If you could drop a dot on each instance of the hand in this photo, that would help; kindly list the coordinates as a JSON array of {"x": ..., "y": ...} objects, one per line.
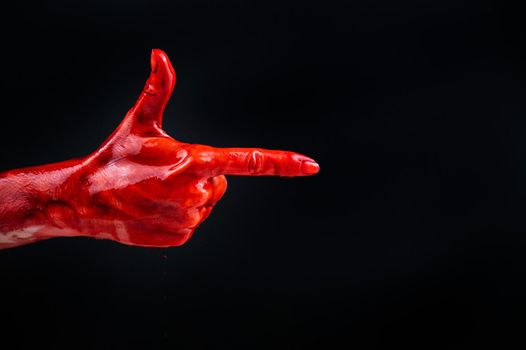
[{"x": 142, "y": 187}]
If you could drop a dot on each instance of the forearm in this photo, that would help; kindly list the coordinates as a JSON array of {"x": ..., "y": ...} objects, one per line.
[{"x": 34, "y": 205}]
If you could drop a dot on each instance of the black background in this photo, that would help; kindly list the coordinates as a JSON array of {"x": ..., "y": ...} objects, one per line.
[{"x": 412, "y": 234}]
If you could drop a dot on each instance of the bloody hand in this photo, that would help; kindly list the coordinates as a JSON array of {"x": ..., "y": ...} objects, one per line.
[{"x": 141, "y": 187}]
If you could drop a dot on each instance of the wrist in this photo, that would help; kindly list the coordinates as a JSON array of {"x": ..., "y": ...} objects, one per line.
[{"x": 35, "y": 202}]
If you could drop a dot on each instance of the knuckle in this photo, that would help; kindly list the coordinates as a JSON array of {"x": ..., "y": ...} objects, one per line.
[{"x": 255, "y": 162}]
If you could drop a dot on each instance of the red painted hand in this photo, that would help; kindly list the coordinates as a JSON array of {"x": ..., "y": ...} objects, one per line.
[{"x": 141, "y": 187}]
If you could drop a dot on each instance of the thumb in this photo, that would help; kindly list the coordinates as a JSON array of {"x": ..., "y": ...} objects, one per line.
[{"x": 147, "y": 113}]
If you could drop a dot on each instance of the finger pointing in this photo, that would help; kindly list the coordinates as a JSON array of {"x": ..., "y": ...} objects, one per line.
[{"x": 251, "y": 162}]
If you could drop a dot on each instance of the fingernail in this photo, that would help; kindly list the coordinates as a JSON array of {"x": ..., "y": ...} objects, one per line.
[
  {"x": 153, "y": 61},
  {"x": 310, "y": 167}
]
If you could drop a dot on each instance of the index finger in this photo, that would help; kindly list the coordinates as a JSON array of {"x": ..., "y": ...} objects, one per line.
[{"x": 214, "y": 161}]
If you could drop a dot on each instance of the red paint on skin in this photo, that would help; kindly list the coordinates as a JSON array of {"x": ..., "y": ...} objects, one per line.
[{"x": 141, "y": 187}]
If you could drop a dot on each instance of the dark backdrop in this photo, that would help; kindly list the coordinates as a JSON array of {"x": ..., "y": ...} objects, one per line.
[{"x": 413, "y": 233}]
